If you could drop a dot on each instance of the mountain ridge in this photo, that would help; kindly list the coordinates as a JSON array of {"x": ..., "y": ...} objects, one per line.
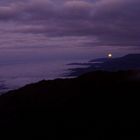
[
  {"x": 127, "y": 62},
  {"x": 75, "y": 107}
]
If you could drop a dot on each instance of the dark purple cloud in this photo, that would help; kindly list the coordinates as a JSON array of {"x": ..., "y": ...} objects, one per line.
[{"x": 103, "y": 22}]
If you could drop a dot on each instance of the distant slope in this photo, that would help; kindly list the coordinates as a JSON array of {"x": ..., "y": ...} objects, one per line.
[
  {"x": 128, "y": 62},
  {"x": 95, "y": 105}
]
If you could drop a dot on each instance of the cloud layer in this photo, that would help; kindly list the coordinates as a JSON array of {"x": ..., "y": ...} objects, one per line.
[{"x": 101, "y": 22}]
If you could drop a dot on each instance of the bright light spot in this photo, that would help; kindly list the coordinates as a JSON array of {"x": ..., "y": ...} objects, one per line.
[{"x": 109, "y": 55}]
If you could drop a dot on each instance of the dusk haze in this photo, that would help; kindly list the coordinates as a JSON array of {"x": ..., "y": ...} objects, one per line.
[
  {"x": 54, "y": 52},
  {"x": 38, "y": 38}
]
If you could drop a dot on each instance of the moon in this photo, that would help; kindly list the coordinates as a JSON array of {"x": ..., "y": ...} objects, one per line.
[{"x": 110, "y": 55}]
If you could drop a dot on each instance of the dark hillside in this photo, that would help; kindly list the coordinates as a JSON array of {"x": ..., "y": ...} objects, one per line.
[{"x": 96, "y": 105}]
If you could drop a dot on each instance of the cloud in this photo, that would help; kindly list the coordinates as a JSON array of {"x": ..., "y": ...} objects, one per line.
[{"x": 109, "y": 22}]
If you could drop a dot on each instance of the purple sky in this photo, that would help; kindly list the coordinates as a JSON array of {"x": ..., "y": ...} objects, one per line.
[
  {"x": 35, "y": 23},
  {"x": 39, "y": 37}
]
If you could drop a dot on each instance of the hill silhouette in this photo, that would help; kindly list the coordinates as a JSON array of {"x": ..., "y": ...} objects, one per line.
[
  {"x": 128, "y": 62},
  {"x": 96, "y": 105}
]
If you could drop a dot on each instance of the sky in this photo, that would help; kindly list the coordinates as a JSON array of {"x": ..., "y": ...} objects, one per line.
[
  {"x": 87, "y": 23},
  {"x": 38, "y": 38}
]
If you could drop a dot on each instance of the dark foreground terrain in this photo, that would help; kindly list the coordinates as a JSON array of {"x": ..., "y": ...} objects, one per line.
[{"x": 97, "y": 105}]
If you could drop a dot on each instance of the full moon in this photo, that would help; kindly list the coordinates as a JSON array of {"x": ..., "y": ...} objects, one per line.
[{"x": 109, "y": 55}]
